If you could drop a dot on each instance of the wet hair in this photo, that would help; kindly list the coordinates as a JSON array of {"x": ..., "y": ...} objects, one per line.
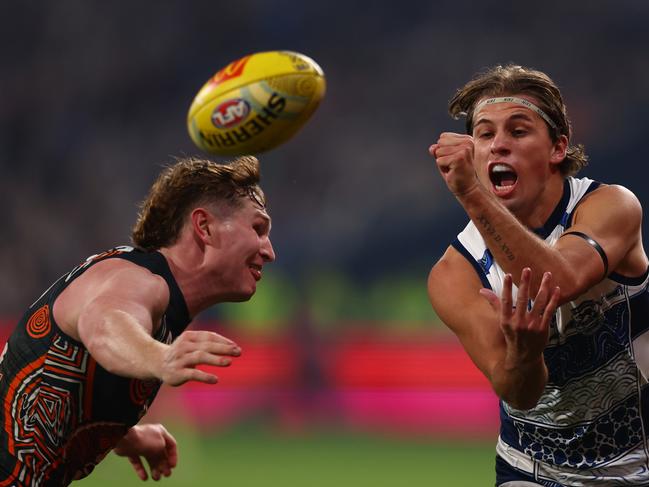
[
  {"x": 187, "y": 184},
  {"x": 513, "y": 80}
]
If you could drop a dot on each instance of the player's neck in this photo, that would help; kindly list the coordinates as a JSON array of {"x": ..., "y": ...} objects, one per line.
[
  {"x": 185, "y": 263},
  {"x": 537, "y": 214}
]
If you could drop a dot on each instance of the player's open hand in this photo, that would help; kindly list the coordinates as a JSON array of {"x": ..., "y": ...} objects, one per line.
[
  {"x": 155, "y": 444},
  {"x": 193, "y": 348},
  {"x": 454, "y": 156},
  {"x": 525, "y": 330}
]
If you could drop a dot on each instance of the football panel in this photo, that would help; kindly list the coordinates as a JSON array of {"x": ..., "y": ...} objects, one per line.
[
  {"x": 256, "y": 117},
  {"x": 252, "y": 68}
]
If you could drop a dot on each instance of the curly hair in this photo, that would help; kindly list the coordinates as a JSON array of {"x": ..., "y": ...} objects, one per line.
[
  {"x": 512, "y": 80},
  {"x": 186, "y": 184}
]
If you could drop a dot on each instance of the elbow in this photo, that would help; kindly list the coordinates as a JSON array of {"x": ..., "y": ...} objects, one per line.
[
  {"x": 99, "y": 346},
  {"x": 524, "y": 390},
  {"x": 570, "y": 294},
  {"x": 93, "y": 342},
  {"x": 522, "y": 404},
  {"x": 573, "y": 285},
  {"x": 522, "y": 400},
  {"x": 569, "y": 289}
]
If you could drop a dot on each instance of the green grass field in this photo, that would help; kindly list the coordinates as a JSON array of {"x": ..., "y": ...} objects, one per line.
[{"x": 256, "y": 457}]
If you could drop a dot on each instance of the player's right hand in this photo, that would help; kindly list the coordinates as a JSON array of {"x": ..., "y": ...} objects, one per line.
[
  {"x": 453, "y": 154},
  {"x": 193, "y": 348}
]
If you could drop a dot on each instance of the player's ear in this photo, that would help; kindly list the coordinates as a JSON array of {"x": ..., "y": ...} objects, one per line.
[
  {"x": 559, "y": 150},
  {"x": 200, "y": 219}
]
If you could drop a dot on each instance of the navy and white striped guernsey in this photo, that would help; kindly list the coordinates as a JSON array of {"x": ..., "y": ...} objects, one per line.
[{"x": 589, "y": 427}]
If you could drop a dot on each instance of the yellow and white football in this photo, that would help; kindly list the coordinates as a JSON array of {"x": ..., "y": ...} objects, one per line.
[{"x": 255, "y": 103}]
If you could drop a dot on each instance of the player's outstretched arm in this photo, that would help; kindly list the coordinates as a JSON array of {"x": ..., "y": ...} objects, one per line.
[
  {"x": 119, "y": 308},
  {"x": 153, "y": 443},
  {"x": 505, "y": 342},
  {"x": 610, "y": 215}
]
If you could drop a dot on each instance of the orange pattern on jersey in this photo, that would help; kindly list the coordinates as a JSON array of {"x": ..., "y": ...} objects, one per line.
[
  {"x": 94, "y": 258},
  {"x": 39, "y": 325},
  {"x": 141, "y": 390},
  {"x": 108, "y": 253},
  {"x": 89, "y": 391},
  {"x": 11, "y": 480},
  {"x": 11, "y": 392}
]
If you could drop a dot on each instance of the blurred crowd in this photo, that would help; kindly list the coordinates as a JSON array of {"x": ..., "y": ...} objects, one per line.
[{"x": 94, "y": 96}]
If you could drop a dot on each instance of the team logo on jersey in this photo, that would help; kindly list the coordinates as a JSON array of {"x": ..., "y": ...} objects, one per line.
[{"x": 587, "y": 317}]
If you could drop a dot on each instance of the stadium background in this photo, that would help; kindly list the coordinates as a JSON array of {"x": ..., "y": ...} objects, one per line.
[{"x": 347, "y": 377}]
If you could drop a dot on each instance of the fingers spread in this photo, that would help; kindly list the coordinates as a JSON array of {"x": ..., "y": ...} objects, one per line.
[
  {"x": 200, "y": 357},
  {"x": 541, "y": 300},
  {"x": 506, "y": 297},
  {"x": 171, "y": 450},
  {"x": 138, "y": 467},
  {"x": 551, "y": 307},
  {"x": 200, "y": 376},
  {"x": 523, "y": 293},
  {"x": 205, "y": 336},
  {"x": 207, "y": 341}
]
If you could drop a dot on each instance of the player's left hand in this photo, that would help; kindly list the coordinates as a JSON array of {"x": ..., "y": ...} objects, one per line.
[
  {"x": 525, "y": 330},
  {"x": 454, "y": 157},
  {"x": 155, "y": 444}
]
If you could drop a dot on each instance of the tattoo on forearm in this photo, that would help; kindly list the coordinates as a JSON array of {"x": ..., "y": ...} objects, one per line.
[{"x": 491, "y": 231}]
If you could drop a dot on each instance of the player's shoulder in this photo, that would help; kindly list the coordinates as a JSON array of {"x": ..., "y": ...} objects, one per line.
[
  {"x": 125, "y": 277},
  {"x": 605, "y": 190},
  {"x": 613, "y": 197},
  {"x": 452, "y": 272}
]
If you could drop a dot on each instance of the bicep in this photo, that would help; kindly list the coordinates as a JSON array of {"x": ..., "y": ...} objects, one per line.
[
  {"x": 100, "y": 314},
  {"x": 611, "y": 216},
  {"x": 130, "y": 296},
  {"x": 453, "y": 289}
]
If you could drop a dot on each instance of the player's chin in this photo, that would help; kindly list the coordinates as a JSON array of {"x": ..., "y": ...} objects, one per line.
[{"x": 243, "y": 294}]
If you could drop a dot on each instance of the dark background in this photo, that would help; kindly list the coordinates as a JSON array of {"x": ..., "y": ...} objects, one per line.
[{"x": 94, "y": 96}]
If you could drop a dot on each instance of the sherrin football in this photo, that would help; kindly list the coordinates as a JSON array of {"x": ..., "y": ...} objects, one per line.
[{"x": 255, "y": 103}]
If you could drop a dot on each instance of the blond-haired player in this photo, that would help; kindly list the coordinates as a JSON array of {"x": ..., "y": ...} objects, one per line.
[
  {"x": 546, "y": 287},
  {"x": 89, "y": 355}
]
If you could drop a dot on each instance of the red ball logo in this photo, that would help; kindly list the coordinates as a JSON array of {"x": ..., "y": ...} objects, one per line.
[{"x": 230, "y": 113}]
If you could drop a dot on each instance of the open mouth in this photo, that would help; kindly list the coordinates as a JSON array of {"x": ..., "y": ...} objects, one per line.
[
  {"x": 256, "y": 271},
  {"x": 502, "y": 176}
]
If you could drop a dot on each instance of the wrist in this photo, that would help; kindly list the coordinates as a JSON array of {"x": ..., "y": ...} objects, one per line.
[
  {"x": 523, "y": 364},
  {"x": 155, "y": 359},
  {"x": 473, "y": 194},
  {"x": 521, "y": 385}
]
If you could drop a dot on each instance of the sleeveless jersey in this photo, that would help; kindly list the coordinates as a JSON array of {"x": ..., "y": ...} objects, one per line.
[
  {"x": 62, "y": 411},
  {"x": 589, "y": 426}
]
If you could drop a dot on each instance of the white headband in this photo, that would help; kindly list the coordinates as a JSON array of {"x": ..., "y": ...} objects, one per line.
[{"x": 519, "y": 101}]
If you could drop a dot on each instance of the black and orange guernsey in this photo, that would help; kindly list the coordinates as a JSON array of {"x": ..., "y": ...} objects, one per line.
[{"x": 62, "y": 412}]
